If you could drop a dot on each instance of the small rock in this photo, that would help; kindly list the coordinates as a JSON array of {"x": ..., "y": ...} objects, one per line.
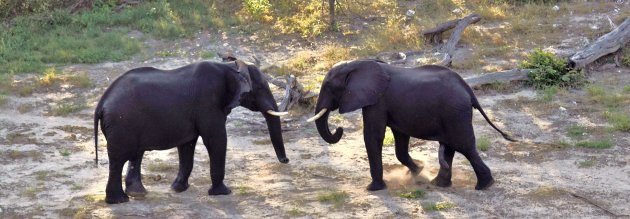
[
  {"x": 563, "y": 109},
  {"x": 555, "y": 8},
  {"x": 410, "y": 12},
  {"x": 457, "y": 11}
]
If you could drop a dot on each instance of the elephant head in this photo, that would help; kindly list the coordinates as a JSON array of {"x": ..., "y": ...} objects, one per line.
[
  {"x": 255, "y": 95},
  {"x": 348, "y": 86}
]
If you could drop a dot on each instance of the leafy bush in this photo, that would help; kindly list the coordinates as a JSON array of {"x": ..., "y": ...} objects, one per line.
[{"x": 550, "y": 70}]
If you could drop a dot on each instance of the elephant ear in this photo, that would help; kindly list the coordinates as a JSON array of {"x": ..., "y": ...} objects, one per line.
[
  {"x": 239, "y": 82},
  {"x": 365, "y": 84}
]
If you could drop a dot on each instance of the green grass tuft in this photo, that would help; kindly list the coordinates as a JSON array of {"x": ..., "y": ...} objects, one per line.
[
  {"x": 483, "y": 143},
  {"x": 415, "y": 194},
  {"x": 595, "y": 144},
  {"x": 65, "y": 109},
  {"x": 576, "y": 131},
  {"x": 619, "y": 121},
  {"x": 586, "y": 164},
  {"x": 437, "y": 206},
  {"x": 336, "y": 197},
  {"x": 295, "y": 212}
]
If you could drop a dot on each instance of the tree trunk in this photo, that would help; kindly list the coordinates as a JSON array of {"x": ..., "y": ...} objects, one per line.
[
  {"x": 331, "y": 11},
  {"x": 604, "y": 45}
]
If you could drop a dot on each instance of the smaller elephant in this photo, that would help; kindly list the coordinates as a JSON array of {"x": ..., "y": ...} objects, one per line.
[
  {"x": 151, "y": 109},
  {"x": 428, "y": 102}
]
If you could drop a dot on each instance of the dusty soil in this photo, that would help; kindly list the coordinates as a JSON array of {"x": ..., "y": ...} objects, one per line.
[{"x": 47, "y": 162}]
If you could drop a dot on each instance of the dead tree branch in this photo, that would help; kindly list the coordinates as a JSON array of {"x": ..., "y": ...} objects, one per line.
[
  {"x": 434, "y": 35},
  {"x": 456, "y": 35},
  {"x": 604, "y": 45}
]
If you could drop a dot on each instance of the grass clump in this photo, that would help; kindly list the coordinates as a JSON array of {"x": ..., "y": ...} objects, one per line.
[
  {"x": 335, "y": 197},
  {"x": 65, "y": 109},
  {"x": 243, "y": 190},
  {"x": 595, "y": 144},
  {"x": 576, "y": 131},
  {"x": 550, "y": 70},
  {"x": 295, "y": 212},
  {"x": 548, "y": 93},
  {"x": 31, "y": 192},
  {"x": 438, "y": 206},
  {"x": 619, "y": 121},
  {"x": 4, "y": 99},
  {"x": 415, "y": 194},
  {"x": 483, "y": 143},
  {"x": 389, "y": 137},
  {"x": 586, "y": 163}
]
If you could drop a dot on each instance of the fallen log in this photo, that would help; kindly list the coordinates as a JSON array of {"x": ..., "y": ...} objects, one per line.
[
  {"x": 455, "y": 36},
  {"x": 604, "y": 45},
  {"x": 502, "y": 76}
]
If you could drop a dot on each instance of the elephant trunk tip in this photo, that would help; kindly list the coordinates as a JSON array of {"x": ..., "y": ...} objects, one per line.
[
  {"x": 283, "y": 160},
  {"x": 336, "y": 136}
]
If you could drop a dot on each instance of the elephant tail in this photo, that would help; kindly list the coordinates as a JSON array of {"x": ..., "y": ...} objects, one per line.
[
  {"x": 98, "y": 114},
  {"x": 443, "y": 162},
  {"x": 478, "y": 107}
]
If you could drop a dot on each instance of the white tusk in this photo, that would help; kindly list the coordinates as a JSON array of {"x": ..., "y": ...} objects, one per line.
[
  {"x": 320, "y": 114},
  {"x": 274, "y": 113}
]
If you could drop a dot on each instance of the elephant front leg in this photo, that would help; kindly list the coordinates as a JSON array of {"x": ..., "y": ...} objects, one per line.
[
  {"x": 402, "y": 151},
  {"x": 216, "y": 146},
  {"x": 443, "y": 179},
  {"x": 113, "y": 192},
  {"x": 133, "y": 181},
  {"x": 373, "y": 134},
  {"x": 186, "y": 158}
]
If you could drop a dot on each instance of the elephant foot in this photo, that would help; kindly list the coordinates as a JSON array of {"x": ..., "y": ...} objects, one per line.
[
  {"x": 376, "y": 185},
  {"x": 179, "y": 186},
  {"x": 136, "y": 190},
  {"x": 437, "y": 181},
  {"x": 220, "y": 189},
  {"x": 484, "y": 184},
  {"x": 116, "y": 199}
]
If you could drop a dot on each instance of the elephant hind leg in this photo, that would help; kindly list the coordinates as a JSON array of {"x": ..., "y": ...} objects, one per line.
[
  {"x": 113, "y": 192},
  {"x": 133, "y": 181},
  {"x": 402, "y": 151},
  {"x": 443, "y": 179},
  {"x": 484, "y": 176},
  {"x": 186, "y": 154}
]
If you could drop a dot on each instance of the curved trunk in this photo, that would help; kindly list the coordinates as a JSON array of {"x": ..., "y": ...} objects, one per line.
[
  {"x": 324, "y": 131},
  {"x": 275, "y": 133}
]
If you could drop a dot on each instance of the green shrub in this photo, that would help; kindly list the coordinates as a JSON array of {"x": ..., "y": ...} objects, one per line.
[{"x": 550, "y": 70}]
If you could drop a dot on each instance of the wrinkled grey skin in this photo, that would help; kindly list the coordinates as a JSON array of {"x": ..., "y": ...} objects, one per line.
[
  {"x": 152, "y": 109},
  {"x": 429, "y": 102}
]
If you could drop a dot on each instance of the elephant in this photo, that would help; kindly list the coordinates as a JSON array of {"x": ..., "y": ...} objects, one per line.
[
  {"x": 429, "y": 102},
  {"x": 151, "y": 109}
]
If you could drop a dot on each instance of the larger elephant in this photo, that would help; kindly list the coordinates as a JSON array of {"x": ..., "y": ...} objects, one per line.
[
  {"x": 151, "y": 109},
  {"x": 429, "y": 102}
]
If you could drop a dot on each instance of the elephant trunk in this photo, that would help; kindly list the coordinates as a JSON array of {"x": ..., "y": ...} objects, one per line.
[
  {"x": 275, "y": 133},
  {"x": 324, "y": 131}
]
